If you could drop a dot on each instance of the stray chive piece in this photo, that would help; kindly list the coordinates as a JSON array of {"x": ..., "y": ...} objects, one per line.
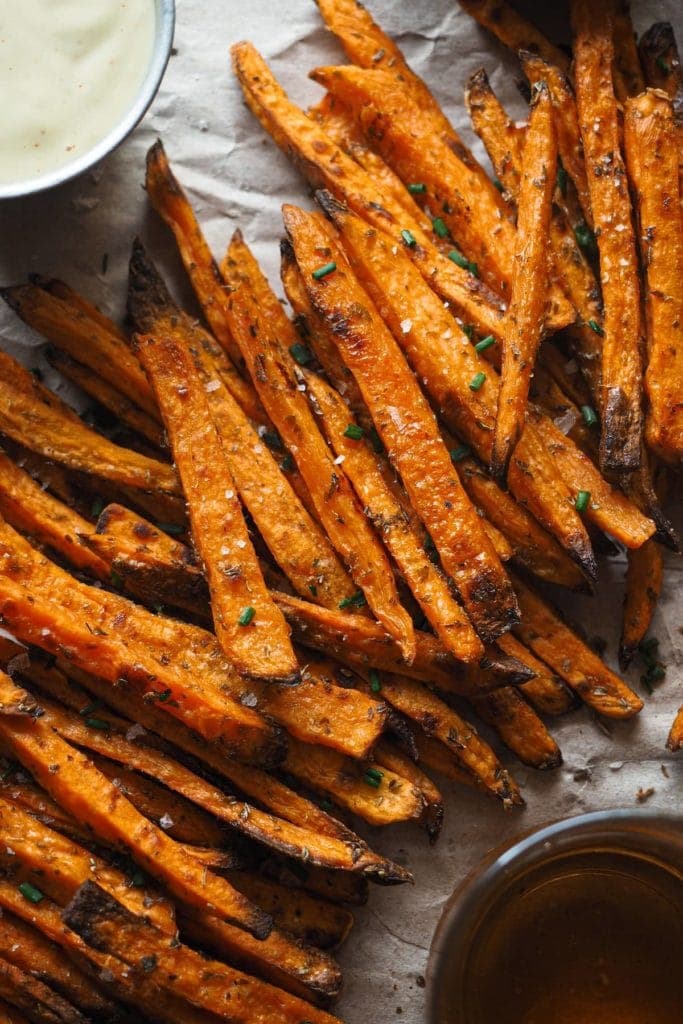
[
  {"x": 562, "y": 180},
  {"x": 356, "y": 600},
  {"x": 97, "y": 508},
  {"x": 586, "y": 240},
  {"x": 116, "y": 580},
  {"x": 373, "y": 777},
  {"x": 327, "y": 268},
  {"x": 173, "y": 528},
  {"x": 137, "y": 880},
  {"x": 655, "y": 673},
  {"x": 376, "y": 441},
  {"x": 287, "y": 464},
  {"x": 477, "y": 381},
  {"x": 375, "y": 684},
  {"x": 582, "y": 500},
  {"x": 462, "y": 261},
  {"x": 417, "y": 188},
  {"x": 246, "y": 615},
  {"x": 459, "y": 453},
  {"x": 468, "y": 329},
  {"x": 499, "y": 185},
  {"x": 97, "y": 723},
  {"x": 313, "y": 589},
  {"x": 485, "y": 343},
  {"x": 409, "y": 238},
  {"x": 89, "y": 708},
  {"x": 326, "y": 805},
  {"x": 300, "y": 353},
  {"x": 595, "y": 326},
  {"x": 440, "y": 227},
  {"x": 649, "y": 645},
  {"x": 589, "y": 414},
  {"x": 30, "y": 893},
  {"x": 663, "y": 66},
  {"x": 354, "y": 432}
]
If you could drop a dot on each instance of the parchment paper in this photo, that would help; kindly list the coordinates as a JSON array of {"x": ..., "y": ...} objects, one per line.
[{"x": 236, "y": 176}]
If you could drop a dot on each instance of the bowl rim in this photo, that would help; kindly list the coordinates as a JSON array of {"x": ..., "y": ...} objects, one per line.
[{"x": 164, "y": 12}]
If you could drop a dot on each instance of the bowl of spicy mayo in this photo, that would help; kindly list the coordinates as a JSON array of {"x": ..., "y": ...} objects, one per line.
[
  {"x": 580, "y": 922},
  {"x": 76, "y": 76}
]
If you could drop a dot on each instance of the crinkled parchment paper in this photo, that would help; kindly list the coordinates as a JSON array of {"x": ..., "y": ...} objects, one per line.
[{"x": 235, "y": 176}]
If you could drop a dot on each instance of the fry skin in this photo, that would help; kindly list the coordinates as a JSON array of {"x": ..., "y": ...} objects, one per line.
[
  {"x": 388, "y": 755},
  {"x": 621, "y": 368},
  {"x": 410, "y": 435},
  {"x": 644, "y": 573},
  {"x": 546, "y": 692},
  {"x": 519, "y": 727},
  {"x": 524, "y": 321},
  {"x": 26, "y": 992},
  {"x": 652, "y": 156}
]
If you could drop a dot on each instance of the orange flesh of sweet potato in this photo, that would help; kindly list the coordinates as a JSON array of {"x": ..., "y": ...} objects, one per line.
[
  {"x": 259, "y": 647},
  {"x": 651, "y": 146},
  {"x": 621, "y": 359},
  {"x": 519, "y": 727},
  {"x": 675, "y": 740},
  {"x": 643, "y": 587},
  {"x": 524, "y": 320},
  {"x": 545, "y": 692},
  {"x": 388, "y": 755}
]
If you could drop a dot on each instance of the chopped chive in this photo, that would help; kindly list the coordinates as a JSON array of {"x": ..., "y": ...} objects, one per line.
[
  {"x": 477, "y": 381},
  {"x": 375, "y": 684},
  {"x": 586, "y": 240},
  {"x": 30, "y": 893},
  {"x": 459, "y": 453},
  {"x": 376, "y": 441},
  {"x": 96, "y": 508},
  {"x": 356, "y": 600},
  {"x": 655, "y": 673},
  {"x": 485, "y": 343},
  {"x": 473, "y": 269},
  {"x": 313, "y": 589},
  {"x": 137, "y": 880},
  {"x": 457, "y": 257},
  {"x": 373, "y": 777},
  {"x": 589, "y": 414},
  {"x": 300, "y": 353},
  {"x": 326, "y": 805},
  {"x": 417, "y": 188},
  {"x": 354, "y": 432},
  {"x": 173, "y": 528},
  {"x": 595, "y": 326},
  {"x": 649, "y": 645},
  {"x": 116, "y": 580},
  {"x": 499, "y": 185},
  {"x": 160, "y": 695},
  {"x": 89, "y": 708},
  {"x": 409, "y": 238},
  {"x": 246, "y": 615},
  {"x": 320, "y": 272},
  {"x": 582, "y": 500},
  {"x": 468, "y": 329},
  {"x": 663, "y": 66},
  {"x": 440, "y": 228},
  {"x": 97, "y": 723},
  {"x": 562, "y": 180},
  {"x": 646, "y": 684},
  {"x": 287, "y": 464},
  {"x": 272, "y": 439}
]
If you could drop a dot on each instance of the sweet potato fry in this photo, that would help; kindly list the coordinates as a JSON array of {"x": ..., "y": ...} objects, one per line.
[
  {"x": 675, "y": 740},
  {"x": 46, "y": 426},
  {"x": 621, "y": 368},
  {"x": 643, "y": 587},
  {"x": 448, "y": 365},
  {"x": 95, "y": 342},
  {"x": 209, "y": 985},
  {"x": 108, "y": 634},
  {"x": 559, "y": 647},
  {"x": 513, "y": 30},
  {"x": 411, "y": 437},
  {"x": 627, "y": 72},
  {"x": 661, "y": 63},
  {"x": 651, "y": 150},
  {"x": 393, "y": 519},
  {"x": 519, "y": 727},
  {"x": 387, "y": 755},
  {"x": 84, "y": 791},
  {"x": 524, "y": 320},
  {"x": 41, "y": 1003},
  {"x": 273, "y": 372},
  {"x": 260, "y": 646},
  {"x": 108, "y": 396},
  {"x": 545, "y": 692},
  {"x": 29, "y": 508}
]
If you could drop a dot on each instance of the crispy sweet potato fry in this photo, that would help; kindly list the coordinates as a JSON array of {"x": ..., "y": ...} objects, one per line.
[
  {"x": 273, "y": 373},
  {"x": 628, "y": 74},
  {"x": 513, "y": 30},
  {"x": 524, "y": 320},
  {"x": 643, "y": 587},
  {"x": 47, "y": 426},
  {"x": 387, "y": 755},
  {"x": 407, "y": 427},
  {"x": 651, "y": 149},
  {"x": 41, "y": 1003},
  {"x": 88, "y": 794},
  {"x": 393, "y": 519},
  {"x": 519, "y": 727},
  {"x": 621, "y": 368},
  {"x": 545, "y": 692},
  {"x": 559, "y": 647},
  {"x": 260, "y": 646},
  {"x": 210, "y": 985},
  {"x": 95, "y": 342},
  {"x": 118, "y": 639},
  {"x": 675, "y": 740},
  {"x": 448, "y": 365}
]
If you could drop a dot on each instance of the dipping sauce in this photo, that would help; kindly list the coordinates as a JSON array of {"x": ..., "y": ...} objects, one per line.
[
  {"x": 69, "y": 71},
  {"x": 595, "y": 940}
]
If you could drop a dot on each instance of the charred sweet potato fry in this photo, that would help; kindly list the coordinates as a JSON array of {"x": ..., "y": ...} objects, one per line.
[
  {"x": 410, "y": 436},
  {"x": 88, "y": 794},
  {"x": 449, "y": 365},
  {"x": 528, "y": 302},
  {"x": 545, "y": 692},
  {"x": 46, "y": 426},
  {"x": 393, "y": 519},
  {"x": 519, "y": 727},
  {"x": 627, "y": 71},
  {"x": 621, "y": 368},
  {"x": 514, "y": 31},
  {"x": 250, "y": 628},
  {"x": 209, "y": 985},
  {"x": 387, "y": 755},
  {"x": 273, "y": 371},
  {"x": 559, "y": 647},
  {"x": 43, "y": 1005},
  {"x": 652, "y": 156},
  {"x": 661, "y": 63},
  {"x": 643, "y": 586}
]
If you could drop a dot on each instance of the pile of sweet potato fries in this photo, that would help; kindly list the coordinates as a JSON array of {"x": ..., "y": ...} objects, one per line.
[{"x": 262, "y": 588}]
